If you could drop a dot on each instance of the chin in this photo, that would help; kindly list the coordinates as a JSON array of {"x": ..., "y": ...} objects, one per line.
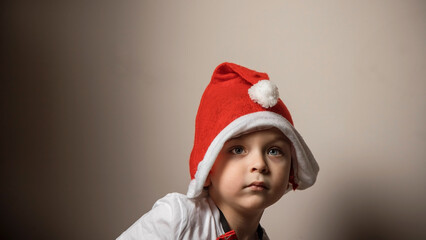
[{"x": 256, "y": 203}]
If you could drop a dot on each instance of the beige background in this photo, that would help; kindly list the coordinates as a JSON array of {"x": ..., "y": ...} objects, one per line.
[{"x": 99, "y": 101}]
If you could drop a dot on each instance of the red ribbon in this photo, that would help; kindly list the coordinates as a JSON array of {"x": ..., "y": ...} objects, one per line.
[{"x": 231, "y": 235}]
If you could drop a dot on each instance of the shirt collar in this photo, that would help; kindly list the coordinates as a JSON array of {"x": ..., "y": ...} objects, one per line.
[{"x": 226, "y": 227}]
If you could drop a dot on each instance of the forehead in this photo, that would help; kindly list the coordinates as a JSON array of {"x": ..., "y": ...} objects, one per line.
[{"x": 271, "y": 133}]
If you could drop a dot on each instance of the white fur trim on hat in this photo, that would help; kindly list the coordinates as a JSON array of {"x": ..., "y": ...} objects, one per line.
[
  {"x": 307, "y": 167},
  {"x": 265, "y": 93}
]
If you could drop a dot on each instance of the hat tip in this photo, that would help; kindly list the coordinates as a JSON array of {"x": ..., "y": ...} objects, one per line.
[{"x": 264, "y": 93}]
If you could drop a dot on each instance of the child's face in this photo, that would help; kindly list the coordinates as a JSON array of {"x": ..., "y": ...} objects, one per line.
[{"x": 252, "y": 171}]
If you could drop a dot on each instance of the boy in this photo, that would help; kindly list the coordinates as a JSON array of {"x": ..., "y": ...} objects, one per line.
[{"x": 246, "y": 156}]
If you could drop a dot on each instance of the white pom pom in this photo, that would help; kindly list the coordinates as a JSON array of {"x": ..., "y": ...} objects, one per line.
[{"x": 264, "y": 93}]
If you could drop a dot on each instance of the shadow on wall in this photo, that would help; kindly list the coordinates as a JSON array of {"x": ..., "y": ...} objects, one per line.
[{"x": 375, "y": 211}]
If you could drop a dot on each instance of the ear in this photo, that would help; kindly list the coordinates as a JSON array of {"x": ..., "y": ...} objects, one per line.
[{"x": 208, "y": 181}]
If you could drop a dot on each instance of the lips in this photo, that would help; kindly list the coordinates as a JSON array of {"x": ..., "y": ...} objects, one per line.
[{"x": 257, "y": 185}]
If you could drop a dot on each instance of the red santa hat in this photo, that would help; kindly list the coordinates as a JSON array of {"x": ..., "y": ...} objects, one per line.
[{"x": 236, "y": 101}]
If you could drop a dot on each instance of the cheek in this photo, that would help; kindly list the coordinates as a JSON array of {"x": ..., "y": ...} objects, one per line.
[
  {"x": 228, "y": 178},
  {"x": 282, "y": 174},
  {"x": 281, "y": 180}
]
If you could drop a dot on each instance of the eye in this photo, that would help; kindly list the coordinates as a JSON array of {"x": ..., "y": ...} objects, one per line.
[
  {"x": 275, "y": 152},
  {"x": 237, "y": 150}
]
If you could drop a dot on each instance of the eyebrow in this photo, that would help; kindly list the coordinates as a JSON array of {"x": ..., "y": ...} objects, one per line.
[{"x": 281, "y": 138}]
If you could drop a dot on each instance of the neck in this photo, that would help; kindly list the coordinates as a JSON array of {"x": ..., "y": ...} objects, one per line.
[{"x": 243, "y": 223}]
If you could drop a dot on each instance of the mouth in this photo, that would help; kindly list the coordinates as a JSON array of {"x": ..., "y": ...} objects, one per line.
[{"x": 258, "y": 186}]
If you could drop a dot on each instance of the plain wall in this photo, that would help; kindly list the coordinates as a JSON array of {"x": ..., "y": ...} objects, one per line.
[{"x": 99, "y": 101}]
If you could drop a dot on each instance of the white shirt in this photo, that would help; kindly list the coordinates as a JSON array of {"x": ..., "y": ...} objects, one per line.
[{"x": 176, "y": 216}]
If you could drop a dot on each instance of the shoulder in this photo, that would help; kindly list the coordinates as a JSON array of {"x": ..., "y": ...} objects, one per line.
[
  {"x": 173, "y": 216},
  {"x": 174, "y": 199},
  {"x": 180, "y": 206},
  {"x": 162, "y": 221}
]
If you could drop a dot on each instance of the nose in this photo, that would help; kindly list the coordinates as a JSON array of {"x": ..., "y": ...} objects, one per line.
[{"x": 258, "y": 163}]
